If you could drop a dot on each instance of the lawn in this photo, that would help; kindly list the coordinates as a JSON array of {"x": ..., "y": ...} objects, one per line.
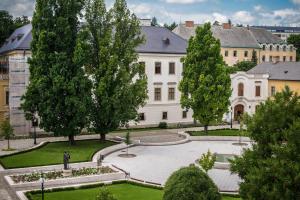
[
  {"x": 124, "y": 191},
  {"x": 222, "y": 132},
  {"x": 52, "y": 153}
]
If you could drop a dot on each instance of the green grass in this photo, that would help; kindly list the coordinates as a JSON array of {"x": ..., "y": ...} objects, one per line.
[
  {"x": 52, "y": 153},
  {"x": 224, "y": 197},
  {"x": 222, "y": 132},
  {"x": 124, "y": 191}
]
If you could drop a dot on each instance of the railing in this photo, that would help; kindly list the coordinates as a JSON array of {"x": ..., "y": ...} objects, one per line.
[{"x": 4, "y": 76}]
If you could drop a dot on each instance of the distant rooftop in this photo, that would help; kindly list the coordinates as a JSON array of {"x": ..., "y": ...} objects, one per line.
[
  {"x": 158, "y": 40},
  {"x": 280, "y": 29},
  {"x": 278, "y": 71},
  {"x": 19, "y": 40}
]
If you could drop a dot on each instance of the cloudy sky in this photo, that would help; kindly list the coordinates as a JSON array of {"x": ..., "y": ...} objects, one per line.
[{"x": 252, "y": 12}]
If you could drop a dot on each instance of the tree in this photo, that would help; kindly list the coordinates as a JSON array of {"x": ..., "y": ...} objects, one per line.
[
  {"x": 171, "y": 27},
  {"x": 7, "y": 131},
  {"x": 21, "y": 21},
  {"x": 190, "y": 183},
  {"x": 207, "y": 161},
  {"x": 127, "y": 140},
  {"x": 295, "y": 40},
  {"x": 244, "y": 65},
  {"x": 154, "y": 22},
  {"x": 119, "y": 82},
  {"x": 6, "y": 26},
  {"x": 270, "y": 170},
  {"x": 105, "y": 194},
  {"x": 205, "y": 86},
  {"x": 58, "y": 91}
]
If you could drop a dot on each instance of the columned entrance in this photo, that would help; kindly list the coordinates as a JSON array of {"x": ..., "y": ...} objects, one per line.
[{"x": 238, "y": 111}]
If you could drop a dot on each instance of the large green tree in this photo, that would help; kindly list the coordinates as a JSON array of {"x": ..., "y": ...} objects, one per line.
[
  {"x": 205, "y": 85},
  {"x": 295, "y": 40},
  {"x": 6, "y": 26},
  {"x": 271, "y": 169},
  {"x": 58, "y": 91},
  {"x": 107, "y": 48}
]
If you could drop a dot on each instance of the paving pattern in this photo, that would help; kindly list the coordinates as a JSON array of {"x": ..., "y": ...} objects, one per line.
[{"x": 157, "y": 163}]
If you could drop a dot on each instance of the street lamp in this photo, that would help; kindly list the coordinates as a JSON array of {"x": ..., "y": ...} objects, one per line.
[
  {"x": 42, "y": 184},
  {"x": 231, "y": 117}
]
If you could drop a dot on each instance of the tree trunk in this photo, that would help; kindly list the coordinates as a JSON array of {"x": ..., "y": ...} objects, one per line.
[
  {"x": 102, "y": 137},
  {"x": 206, "y": 129},
  {"x": 71, "y": 140},
  {"x": 8, "y": 145}
]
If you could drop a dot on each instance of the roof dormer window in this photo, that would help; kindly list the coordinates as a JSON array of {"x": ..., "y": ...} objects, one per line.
[
  {"x": 166, "y": 41},
  {"x": 20, "y": 36}
]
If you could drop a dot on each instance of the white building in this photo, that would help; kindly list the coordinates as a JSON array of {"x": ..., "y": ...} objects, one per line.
[{"x": 248, "y": 91}]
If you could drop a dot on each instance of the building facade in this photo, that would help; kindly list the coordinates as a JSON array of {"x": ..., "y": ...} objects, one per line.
[
  {"x": 4, "y": 89},
  {"x": 250, "y": 89},
  {"x": 239, "y": 43}
]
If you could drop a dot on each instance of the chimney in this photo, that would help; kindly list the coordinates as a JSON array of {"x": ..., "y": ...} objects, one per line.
[
  {"x": 226, "y": 25},
  {"x": 189, "y": 24}
]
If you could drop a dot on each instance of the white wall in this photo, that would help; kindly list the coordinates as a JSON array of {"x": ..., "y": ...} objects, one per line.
[{"x": 153, "y": 109}]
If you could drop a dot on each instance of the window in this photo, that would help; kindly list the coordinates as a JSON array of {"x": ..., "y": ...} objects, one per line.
[
  {"x": 257, "y": 91},
  {"x": 142, "y": 116},
  {"x": 165, "y": 115},
  {"x": 263, "y": 58},
  {"x": 284, "y": 48},
  {"x": 291, "y": 48},
  {"x": 6, "y": 97},
  {"x": 158, "y": 68},
  {"x": 270, "y": 58},
  {"x": 246, "y": 54},
  {"x": 157, "y": 94},
  {"x": 171, "y": 94},
  {"x": 184, "y": 114},
  {"x": 241, "y": 90},
  {"x": 234, "y": 53},
  {"x": 226, "y": 53},
  {"x": 271, "y": 48},
  {"x": 273, "y": 90},
  {"x": 284, "y": 58},
  {"x": 143, "y": 65},
  {"x": 291, "y": 58},
  {"x": 171, "y": 68},
  {"x": 277, "y": 48},
  {"x": 264, "y": 47}
]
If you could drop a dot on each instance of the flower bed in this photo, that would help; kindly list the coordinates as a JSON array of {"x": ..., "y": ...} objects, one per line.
[{"x": 33, "y": 177}]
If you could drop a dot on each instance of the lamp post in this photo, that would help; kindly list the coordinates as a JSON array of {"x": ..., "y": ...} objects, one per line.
[
  {"x": 231, "y": 117},
  {"x": 42, "y": 184}
]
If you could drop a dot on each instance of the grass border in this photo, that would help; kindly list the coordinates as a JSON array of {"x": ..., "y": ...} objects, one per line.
[
  {"x": 45, "y": 144},
  {"x": 223, "y": 129},
  {"x": 91, "y": 186}
]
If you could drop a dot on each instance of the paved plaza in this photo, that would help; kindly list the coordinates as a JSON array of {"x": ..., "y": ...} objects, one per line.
[{"x": 157, "y": 163}]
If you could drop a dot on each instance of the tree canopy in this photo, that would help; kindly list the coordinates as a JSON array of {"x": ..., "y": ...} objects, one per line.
[
  {"x": 271, "y": 169},
  {"x": 295, "y": 40},
  {"x": 58, "y": 91},
  {"x": 119, "y": 81},
  {"x": 205, "y": 86}
]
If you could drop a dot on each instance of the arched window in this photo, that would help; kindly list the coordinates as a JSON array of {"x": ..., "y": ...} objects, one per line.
[
  {"x": 277, "y": 47},
  {"x": 284, "y": 48},
  {"x": 241, "y": 90},
  {"x": 263, "y": 58},
  {"x": 271, "y": 47}
]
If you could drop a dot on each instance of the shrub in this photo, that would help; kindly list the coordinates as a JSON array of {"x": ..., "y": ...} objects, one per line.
[
  {"x": 105, "y": 194},
  {"x": 207, "y": 161},
  {"x": 163, "y": 125},
  {"x": 190, "y": 183}
]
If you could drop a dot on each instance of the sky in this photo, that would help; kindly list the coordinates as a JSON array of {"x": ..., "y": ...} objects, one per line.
[{"x": 247, "y": 12}]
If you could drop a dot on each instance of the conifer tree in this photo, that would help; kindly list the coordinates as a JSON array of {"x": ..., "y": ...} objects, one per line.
[
  {"x": 58, "y": 89},
  {"x": 205, "y": 86}
]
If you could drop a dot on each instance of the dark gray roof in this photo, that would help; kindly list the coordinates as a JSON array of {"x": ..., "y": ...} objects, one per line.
[
  {"x": 263, "y": 36},
  {"x": 278, "y": 71},
  {"x": 280, "y": 29},
  {"x": 237, "y": 37},
  {"x": 19, "y": 40},
  {"x": 156, "y": 41}
]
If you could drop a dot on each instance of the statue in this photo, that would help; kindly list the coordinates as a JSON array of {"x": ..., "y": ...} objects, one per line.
[{"x": 66, "y": 160}]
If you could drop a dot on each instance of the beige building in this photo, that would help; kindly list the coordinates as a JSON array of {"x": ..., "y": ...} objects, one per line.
[
  {"x": 4, "y": 90},
  {"x": 239, "y": 43}
]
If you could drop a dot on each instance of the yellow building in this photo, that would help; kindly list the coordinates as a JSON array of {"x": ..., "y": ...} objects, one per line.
[
  {"x": 239, "y": 43},
  {"x": 4, "y": 89}
]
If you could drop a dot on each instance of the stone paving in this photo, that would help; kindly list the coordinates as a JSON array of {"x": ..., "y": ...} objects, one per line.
[{"x": 157, "y": 163}]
